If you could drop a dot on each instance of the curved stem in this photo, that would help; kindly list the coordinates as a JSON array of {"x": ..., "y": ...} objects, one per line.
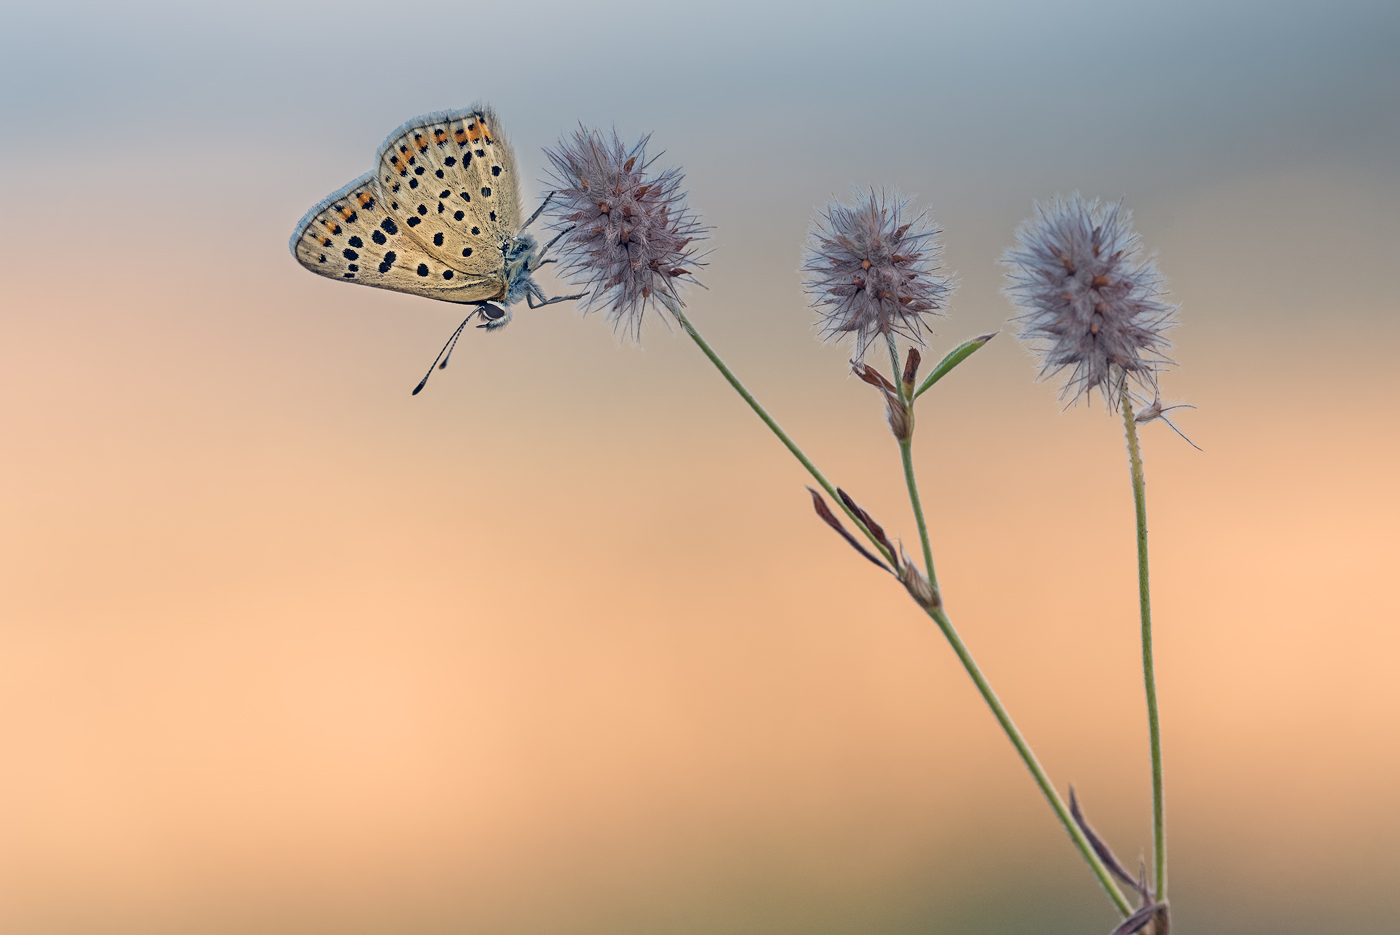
[
  {"x": 777, "y": 429},
  {"x": 1149, "y": 677}
]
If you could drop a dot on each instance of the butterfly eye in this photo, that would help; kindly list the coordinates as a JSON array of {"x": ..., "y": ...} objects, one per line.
[{"x": 493, "y": 312}]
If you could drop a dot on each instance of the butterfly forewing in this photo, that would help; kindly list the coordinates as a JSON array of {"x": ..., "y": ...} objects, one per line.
[{"x": 449, "y": 179}]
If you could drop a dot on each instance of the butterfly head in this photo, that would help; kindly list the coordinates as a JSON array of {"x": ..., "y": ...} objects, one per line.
[{"x": 519, "y": 256}]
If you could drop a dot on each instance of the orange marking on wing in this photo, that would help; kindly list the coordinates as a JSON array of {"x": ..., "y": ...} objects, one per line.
[
  {"x": 460, "y": 136},
  {"x": 475, "y": 130},
  {"x": 421, "y": 143},
  {"x": 399, "y": 165},
  {"x": 365, "y": 198},
  {"x": 332, "y": 226},
  {"x": 440, "y": 136}
]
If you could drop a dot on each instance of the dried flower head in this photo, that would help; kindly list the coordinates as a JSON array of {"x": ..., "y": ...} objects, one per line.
[
  {"x": 625, "y": 235},
  {"x": 1090, "y": 300},
  {"x": 872, "y": 269}
]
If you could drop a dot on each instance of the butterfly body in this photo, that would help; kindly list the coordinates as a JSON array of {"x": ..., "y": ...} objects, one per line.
[{"x": 440, "y": 217}]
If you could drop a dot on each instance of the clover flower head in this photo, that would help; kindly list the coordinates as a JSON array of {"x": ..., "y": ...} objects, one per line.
[
  {"x": 872, "y": 270},
  {"x": 625, "y": 231},
  {"x": 1090, "y": 300}
]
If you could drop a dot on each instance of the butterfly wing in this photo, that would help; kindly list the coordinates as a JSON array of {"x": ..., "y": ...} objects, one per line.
[
  {"x": 450, "y": 179},
  {"x": 350, "y": 237}
]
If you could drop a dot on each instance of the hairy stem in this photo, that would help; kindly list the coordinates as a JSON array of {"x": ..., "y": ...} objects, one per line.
[
  {"x": 777, "y": 429},
  {"x": 1149, "y": 677}
]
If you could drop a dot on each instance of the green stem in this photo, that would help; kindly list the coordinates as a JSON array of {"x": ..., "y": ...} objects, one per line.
[
  {"x": 936, "y": 613},
  {"x": 1032, "y": 764},
  {"x": 769, "y": 421},
  {"x": 988, "y": 695},
  {"x": 906, "y": 452},
  {"x": 1149, "y": 677}
]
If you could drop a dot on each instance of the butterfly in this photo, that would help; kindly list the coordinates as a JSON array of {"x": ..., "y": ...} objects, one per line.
[{"x": 438, "y": 217}]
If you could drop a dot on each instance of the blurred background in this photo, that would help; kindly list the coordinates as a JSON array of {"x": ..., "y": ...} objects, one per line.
[{"x": 558, "y": 646}]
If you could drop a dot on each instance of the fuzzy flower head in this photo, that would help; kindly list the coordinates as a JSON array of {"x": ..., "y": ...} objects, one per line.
[
  {"x": 626, "y": 233},
  {"x": 872, "y": 270},
  {"x": 1090, "y": 301}
]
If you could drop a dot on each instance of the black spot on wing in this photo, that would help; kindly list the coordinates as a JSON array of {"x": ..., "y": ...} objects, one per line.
[
  {"x": 458, "y": 216},
  {"x": 495, "y": 170},
  {"x": 422, "y": 269},
  {"x": 389, "y": 226},
  {"x": 350, "y": 254},
  {"x": 485, "y": 192},
  {"x": 414, "y": 222},
  {"x": 378, "y": 237},
  {"x": 356, "y": 242},
  {"x": 447, "y": 274},
  {"x": 437, "y": 239},
  {"x": 466, "y": 252}
]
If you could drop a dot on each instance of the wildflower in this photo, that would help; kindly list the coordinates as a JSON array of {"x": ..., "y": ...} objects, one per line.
[
  {"x": 1090, "y": 300},
  {"x": 871, "y": 270},
  {"x": 625, "y": 234}
]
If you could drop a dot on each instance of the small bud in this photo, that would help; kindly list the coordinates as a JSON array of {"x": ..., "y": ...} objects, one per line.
[
  {"x": 911, "y": 370},
  {"x": 917, "y": 585},
  {"x": 901, "y": 419}
]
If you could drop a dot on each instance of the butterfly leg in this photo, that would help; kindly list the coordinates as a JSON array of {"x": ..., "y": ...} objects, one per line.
[
  {"x": 530, "y": 299},
  {"x": 538, "y": 211},
  {"x": 539, "y": 257}
]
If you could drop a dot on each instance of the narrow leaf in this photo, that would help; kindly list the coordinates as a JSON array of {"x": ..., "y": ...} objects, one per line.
[
  {"x": 872, "y": 376},
  {"x": 1138, "y": 920},
  {"x": 956, "y": 356},
  {"x": 830, "y": 519},
  {"x": 1102, "y": 849},
  {"x": 867, "y": 519}
]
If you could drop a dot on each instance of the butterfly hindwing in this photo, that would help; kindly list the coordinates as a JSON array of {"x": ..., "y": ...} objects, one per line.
[
  {"x": 352, "y": 238},
  {"x": 450, "y": 179}
]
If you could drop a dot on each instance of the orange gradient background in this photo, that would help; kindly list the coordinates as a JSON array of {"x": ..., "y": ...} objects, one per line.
[{"x": 558, "y": 645}]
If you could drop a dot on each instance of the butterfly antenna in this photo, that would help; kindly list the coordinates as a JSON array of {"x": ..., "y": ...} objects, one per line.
[
  {"x": 446, "y": 350},
  {"x": 539, "y": 210}
]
